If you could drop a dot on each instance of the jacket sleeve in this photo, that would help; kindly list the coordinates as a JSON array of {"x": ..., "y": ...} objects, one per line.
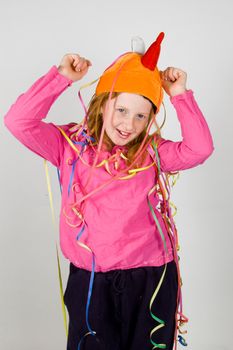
[
  {"x": 25, "y": 117},
  {"x": 196, "y": 145}
]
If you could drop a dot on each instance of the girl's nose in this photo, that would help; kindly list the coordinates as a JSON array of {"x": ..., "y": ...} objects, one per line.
[{"x": 129, "y": 125}]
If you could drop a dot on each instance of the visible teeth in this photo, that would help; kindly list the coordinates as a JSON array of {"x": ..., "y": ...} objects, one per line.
[{"x": 123, "y": 133}]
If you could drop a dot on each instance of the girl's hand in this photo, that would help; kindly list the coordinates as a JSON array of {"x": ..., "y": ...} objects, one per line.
[
  {"x": 73, "y": 66},
  {"x": 173, "y": 81}
]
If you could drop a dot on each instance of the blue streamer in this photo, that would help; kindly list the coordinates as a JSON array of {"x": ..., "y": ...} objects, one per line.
[
  {"x": 74, "y": 163},
  {"x": 72, "y": 175},
  {"x": 80, "y": 232},
  {"x": 59, "y": 179},
  {"x": 89, "y": 292},
  {"x": 87, "y": 137},
  {"x": 182, "y": 341}
]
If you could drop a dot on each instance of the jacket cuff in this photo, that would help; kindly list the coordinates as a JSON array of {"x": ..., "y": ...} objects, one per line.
[
  {"x": 185, "y": 95},
  {"x": 60, "y": 77}
]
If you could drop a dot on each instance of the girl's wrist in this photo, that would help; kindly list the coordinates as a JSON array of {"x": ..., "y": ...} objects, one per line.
[{"x": 178, "y": 92}]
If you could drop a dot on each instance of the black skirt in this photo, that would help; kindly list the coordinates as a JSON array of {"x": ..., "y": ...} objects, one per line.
[{"x": 119, "y": 309}]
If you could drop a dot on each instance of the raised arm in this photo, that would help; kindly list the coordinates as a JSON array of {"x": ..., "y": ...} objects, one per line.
[
  {"x": 25, "y": 117},
  {"x": 196, "y": 145}
]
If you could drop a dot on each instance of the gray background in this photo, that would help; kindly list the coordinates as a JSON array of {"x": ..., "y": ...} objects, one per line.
[{"x": 198, "y": 39}]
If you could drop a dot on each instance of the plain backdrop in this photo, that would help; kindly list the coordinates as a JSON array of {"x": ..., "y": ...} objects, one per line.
[{"x": 198, "y": 39}]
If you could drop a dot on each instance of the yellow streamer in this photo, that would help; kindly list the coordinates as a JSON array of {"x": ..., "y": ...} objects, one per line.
[
  {"x": 132, "y": 172},
  {"x": 57, "y": 252},
  {"x": 162, "y": 324}
]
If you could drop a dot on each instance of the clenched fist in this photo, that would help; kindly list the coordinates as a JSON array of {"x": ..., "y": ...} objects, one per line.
[
  {"x": 73, "y": 66},
  {"x": 173, "y": 81}
]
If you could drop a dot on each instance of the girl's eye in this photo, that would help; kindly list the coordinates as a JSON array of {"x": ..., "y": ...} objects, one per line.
[
  {"x": 141, "y": 116},
  {"x": 121, "y": 109}
]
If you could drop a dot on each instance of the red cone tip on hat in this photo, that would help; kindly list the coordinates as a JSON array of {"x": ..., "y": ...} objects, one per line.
[{"x": 150, "y": 58}]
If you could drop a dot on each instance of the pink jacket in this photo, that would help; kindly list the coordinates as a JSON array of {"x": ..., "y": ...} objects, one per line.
[{"x": 119, "y": 227}]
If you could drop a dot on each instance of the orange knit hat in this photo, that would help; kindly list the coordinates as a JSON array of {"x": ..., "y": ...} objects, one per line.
[{"x": 135, "y": 73}]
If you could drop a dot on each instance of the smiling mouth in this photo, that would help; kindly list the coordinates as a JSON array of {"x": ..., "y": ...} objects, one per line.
[{"x": 123, "y": 134}]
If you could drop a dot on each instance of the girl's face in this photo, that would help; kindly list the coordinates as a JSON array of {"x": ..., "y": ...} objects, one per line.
[{"x": 126, "y": 117}]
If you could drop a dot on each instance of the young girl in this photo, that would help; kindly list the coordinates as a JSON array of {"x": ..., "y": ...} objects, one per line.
[{"x": 116, "y": 223}]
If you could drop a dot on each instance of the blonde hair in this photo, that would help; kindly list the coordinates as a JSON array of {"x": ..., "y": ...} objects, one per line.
[{"x": 95, "y": 123}]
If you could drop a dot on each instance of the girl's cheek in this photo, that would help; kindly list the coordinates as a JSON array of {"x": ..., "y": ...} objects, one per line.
[
  {"x": 116, "y": 120},
  {"x": 141, "y": 124}
]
